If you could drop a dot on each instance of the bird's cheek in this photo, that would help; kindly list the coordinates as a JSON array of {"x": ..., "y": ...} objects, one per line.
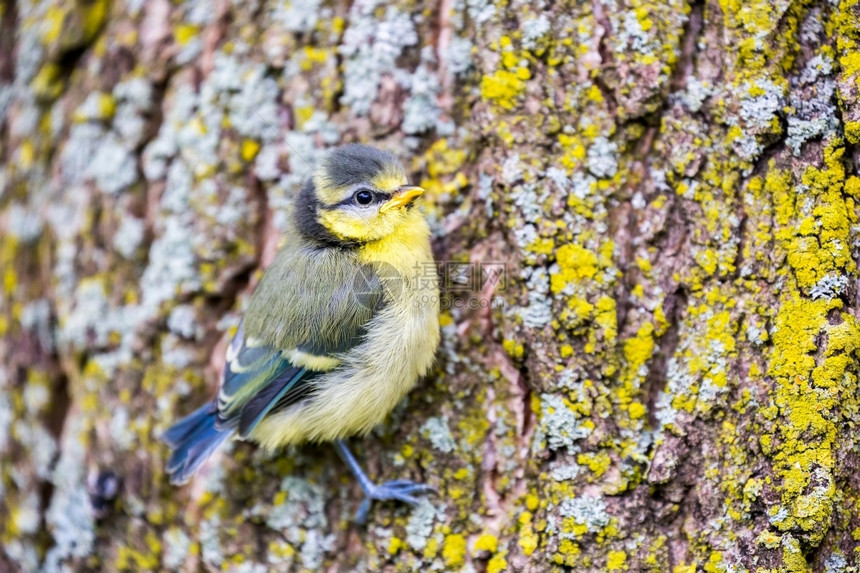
[
  {"x": 343, "y": 226},
  {"x": 375, "y": 226},
  {"x": 386, "y": 221}
]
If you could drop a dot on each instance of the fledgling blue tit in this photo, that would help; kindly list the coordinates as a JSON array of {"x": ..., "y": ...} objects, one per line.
[{"x": 336, "y": 333}]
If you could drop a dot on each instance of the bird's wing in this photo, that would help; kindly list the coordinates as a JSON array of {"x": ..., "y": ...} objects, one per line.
[
  {"x": 321, "y": 319},
  {"x": 256, "y": 379},
  {"x": 318, "y": 301}
]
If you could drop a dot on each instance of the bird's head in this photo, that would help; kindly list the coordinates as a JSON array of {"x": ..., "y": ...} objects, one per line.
[{"x": 359, "y": 194}]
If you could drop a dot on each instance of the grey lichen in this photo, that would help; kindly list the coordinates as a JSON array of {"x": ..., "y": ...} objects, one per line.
[
  {"x": 210, "y": 545},
  {"x": 812, "y": 107},
  {"x": 534, "y": 29},
  {"x": 420, "y": 524},
  {"x": 69, "y": 516},
  {"x": 296, "y": 16},
  {"x": 559, "y": 427},
  {"x": 129, "y": 236},
  {"x": 37, "y": 439},
  {"x": 538, "y": 313},
  {"x": 177, "y": 546},
  {"x": 182, "y": 321},
  {"x": 585, "y": 510},
  {"x": 602, "y": 158},
  {"x": 23, "y": 222},
  {"x": 113, "y": 167},
  {"x": 371, "y": 46},
  {"x": 565, "y": 472},
  {"x": 421, "y": 109},
  {"x": 829, "y": 287},
  {"x": 300, "y": 518},
  {"x": 436, "y": 430}
]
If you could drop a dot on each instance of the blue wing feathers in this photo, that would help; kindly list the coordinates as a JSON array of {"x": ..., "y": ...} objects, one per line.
[
  {"x": 195, "y": 437},
  {"x": 257, "y": 380},
  {"x": 248, "y": 366},
  {"x": 261, "y": 404},
  {"x": 269, "y": 367}
]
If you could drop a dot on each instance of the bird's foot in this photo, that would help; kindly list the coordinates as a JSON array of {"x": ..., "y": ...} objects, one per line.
[{"x": 400, "y": 489}]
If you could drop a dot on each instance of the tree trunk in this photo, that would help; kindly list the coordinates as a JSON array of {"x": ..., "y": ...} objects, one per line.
[{"x": 647, "y": 215}]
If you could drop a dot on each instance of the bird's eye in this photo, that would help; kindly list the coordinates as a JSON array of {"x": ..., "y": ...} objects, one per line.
[{"x": 363, "y": 197}]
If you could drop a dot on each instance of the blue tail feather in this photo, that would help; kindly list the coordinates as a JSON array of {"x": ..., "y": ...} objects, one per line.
[
  {"x": 179, "y": 431},
  {"x": 192, "y": 440}
]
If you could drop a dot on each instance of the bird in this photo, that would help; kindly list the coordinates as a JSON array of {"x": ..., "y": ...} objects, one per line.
[{"x": 338, "y": 330}]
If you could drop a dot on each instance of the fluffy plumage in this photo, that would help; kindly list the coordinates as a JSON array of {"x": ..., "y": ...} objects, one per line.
[{"x": 337, "y": 332}]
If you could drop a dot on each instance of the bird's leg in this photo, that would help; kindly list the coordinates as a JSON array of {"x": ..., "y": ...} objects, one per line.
[{"x": 402, "y": 489}]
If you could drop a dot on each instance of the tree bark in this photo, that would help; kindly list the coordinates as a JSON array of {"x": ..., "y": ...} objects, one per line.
[{"x": 647, "y": 219}]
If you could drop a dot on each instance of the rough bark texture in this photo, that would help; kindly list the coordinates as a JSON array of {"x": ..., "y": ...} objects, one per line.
[{"x": 666, "y": 380}]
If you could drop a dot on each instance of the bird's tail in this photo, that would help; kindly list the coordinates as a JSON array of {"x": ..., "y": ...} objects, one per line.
[{"x": 192, "y": 440}]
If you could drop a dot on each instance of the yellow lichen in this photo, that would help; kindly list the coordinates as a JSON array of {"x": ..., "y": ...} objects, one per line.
[
  {"x": 575, "y": 264},
  {"x": 807, "y": 390},
  {"x": 184, "y": 33},
  {"x": 502, "y": 88},
  {"x": 498, "y": 563},
  {"x": 486, "y": 542},
  {"x": 616, "y": 561},
  {"x": 250, "y": 149},
  {"x": 454, "y": 550}
]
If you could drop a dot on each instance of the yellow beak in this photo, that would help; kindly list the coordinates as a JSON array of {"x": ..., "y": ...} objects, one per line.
[{"x": 404, "y": 196}]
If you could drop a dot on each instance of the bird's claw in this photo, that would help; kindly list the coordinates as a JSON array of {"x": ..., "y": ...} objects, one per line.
[{"x": 403, "y": 490}]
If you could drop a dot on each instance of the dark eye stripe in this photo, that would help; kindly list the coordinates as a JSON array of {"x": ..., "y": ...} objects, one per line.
[{"x": 378, "y": 197}]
